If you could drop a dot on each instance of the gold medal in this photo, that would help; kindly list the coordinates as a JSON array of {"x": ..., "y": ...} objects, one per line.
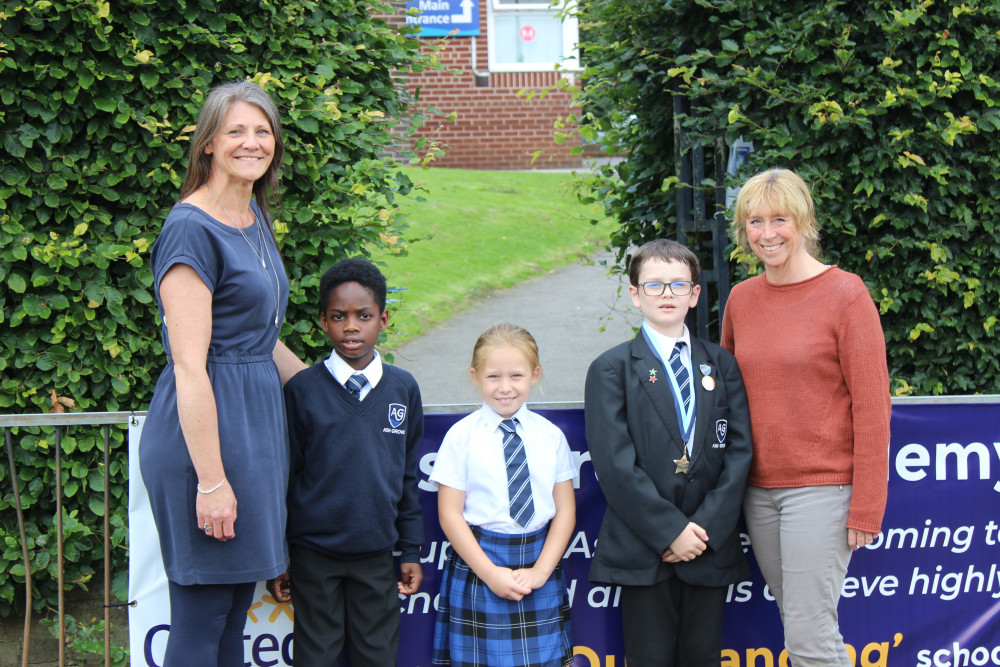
[
  {"x": 708, "y": 382},
  {"x": 682, "y": 464}
]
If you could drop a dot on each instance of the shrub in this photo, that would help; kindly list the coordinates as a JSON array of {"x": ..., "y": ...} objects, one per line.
[
  {"x": 98, "y": 103},
  {"x": 889, "y": 112}
]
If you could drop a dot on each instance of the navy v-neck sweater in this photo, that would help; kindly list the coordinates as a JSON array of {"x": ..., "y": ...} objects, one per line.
[{"x": 352, "y": 488}]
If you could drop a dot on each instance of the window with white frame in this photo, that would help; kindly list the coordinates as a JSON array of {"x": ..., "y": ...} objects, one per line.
[{"x": 531, "y": 36}]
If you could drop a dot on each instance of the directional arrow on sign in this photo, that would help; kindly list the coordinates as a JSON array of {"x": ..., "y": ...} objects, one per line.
[{"x": 466, "y": 15}]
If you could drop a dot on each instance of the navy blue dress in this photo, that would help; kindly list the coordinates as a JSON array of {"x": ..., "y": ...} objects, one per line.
[{"x": 252, "y": 427}]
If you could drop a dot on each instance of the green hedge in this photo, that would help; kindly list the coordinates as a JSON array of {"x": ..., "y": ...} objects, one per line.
[
  {"x": 98, "y": 101},
  {"x": 889, "y": 111}
]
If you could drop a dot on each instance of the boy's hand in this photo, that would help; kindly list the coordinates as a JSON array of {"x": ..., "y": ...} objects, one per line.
[
  {"x": 690, "y": 544},
  {"x": 412, "y": 575},
  {"x": 669, "y": 557},
  {"x": 278, "y": 587},
  {"x": 501, "y": 581},
  {"x": 530, "y": 577}
]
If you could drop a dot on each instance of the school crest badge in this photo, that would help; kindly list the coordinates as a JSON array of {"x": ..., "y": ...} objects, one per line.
[
  {"x": 397, "y": 414},
  {"x": 721, "y": 427}
]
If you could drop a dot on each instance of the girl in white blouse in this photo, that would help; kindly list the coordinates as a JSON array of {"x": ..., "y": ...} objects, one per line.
[{"x": 506, "y": 504}]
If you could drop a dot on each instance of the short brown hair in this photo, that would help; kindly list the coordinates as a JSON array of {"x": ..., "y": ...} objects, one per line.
[
  {"x": 666, "y": 250},
  {"x": 784, "y": 192}
]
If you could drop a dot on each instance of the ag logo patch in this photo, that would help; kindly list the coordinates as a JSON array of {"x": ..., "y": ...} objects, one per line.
[
  {"x": 721, "y": 427},
  {"x": 397, "y": 414}
]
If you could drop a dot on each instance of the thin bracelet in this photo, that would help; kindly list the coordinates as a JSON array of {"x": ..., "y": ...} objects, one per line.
[{"x": 213, "y": 489}]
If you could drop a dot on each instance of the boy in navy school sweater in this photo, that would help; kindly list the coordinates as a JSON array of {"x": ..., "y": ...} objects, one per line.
[{"x": 354, "y": 426}]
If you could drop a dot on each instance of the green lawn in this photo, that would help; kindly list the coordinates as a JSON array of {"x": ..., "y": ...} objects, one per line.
[{"x": 479, "y": 231}]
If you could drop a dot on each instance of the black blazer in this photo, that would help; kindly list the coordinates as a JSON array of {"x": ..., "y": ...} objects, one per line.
[{"x": 634, "y": 437}]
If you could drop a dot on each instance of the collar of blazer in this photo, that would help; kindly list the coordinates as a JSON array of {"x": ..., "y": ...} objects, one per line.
[{"x": 644, "y": 360}]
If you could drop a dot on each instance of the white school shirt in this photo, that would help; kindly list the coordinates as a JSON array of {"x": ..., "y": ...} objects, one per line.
[
  {"x": 666, "y": 345},
  {"x": 342, "y": 372},
  {"x": 471, "y": 459}
]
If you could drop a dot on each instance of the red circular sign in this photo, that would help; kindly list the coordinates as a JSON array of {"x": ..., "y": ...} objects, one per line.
[{"x": 528, "y": 33}]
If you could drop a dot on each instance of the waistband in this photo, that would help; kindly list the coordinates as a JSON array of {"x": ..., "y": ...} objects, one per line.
[
  {"x": 233, "y": 359},
  {"x": 509, "y": 539},
  {"x": 513, "y": 550}
]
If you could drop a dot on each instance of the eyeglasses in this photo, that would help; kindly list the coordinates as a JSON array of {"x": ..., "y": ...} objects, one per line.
[{"x": 677, "y": 288}]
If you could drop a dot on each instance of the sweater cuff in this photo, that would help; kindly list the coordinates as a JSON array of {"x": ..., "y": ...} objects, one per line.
[{"x": 409, "y": 555}]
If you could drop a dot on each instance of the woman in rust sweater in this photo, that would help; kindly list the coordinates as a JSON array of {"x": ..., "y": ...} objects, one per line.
[{"x": 810, "y": 346}]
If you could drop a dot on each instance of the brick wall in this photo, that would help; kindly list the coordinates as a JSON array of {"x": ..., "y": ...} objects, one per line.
[{"x": 494, "y": 128}]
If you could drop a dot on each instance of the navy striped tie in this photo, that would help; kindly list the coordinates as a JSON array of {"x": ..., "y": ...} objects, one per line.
[
  {"x": 522, "y": 507},
  {"x": 355, "y": 384},
  {"x": 681, "y": 374}
]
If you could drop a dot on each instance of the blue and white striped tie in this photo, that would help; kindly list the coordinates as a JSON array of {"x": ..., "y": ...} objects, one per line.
[
  {"x": 522, "y": 507},
  {"x": 683, "y": 379},
  {"x": 355, "y": 384},
  {"x": 681, "y": 373}
]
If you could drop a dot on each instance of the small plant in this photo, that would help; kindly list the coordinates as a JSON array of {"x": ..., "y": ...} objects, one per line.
[{"x": 87, "y": 641}]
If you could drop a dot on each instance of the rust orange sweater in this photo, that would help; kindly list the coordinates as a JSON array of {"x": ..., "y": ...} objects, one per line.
[{"x": 812, "y": 355}]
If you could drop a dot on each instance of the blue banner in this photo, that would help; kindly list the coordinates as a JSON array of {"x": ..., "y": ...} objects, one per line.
[
  {"x": 926, "y": 593},
  {"x": 441, "y": 18}
]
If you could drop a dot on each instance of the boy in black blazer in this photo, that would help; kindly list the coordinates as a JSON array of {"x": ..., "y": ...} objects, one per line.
[{"x": 669, "y": 434}]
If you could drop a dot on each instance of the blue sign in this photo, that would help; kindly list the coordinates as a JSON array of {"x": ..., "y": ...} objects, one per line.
[
  {"x": 440, "y": 18},
  {"x": 926, "y": 593}
]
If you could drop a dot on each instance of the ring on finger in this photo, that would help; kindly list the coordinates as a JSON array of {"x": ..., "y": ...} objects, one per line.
[{"x": 208, "y": 527}]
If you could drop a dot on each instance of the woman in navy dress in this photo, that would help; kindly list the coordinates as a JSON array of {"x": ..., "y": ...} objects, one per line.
[{"x": 214, "y": 447}]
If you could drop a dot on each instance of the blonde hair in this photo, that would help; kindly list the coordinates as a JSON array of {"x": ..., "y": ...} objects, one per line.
[
  {"x": 784, "y": 192},
  {"x": 505, "y": 335}
]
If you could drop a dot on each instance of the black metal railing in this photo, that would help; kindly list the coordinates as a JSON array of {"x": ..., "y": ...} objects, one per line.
[{"x": 701, "y": 219}]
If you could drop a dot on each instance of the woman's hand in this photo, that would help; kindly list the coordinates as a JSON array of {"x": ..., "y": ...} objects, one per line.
[
  {"x": 859, "y": 538},
  {"x": 217, "y": 512}
]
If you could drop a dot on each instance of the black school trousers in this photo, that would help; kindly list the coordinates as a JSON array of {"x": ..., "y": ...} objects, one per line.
[
  {"x": 673, "y": 624},
  {"x": 344, "y": 603}
]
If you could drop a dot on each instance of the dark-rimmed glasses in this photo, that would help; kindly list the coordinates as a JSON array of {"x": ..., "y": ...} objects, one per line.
[{"x": 677, "y": 287}]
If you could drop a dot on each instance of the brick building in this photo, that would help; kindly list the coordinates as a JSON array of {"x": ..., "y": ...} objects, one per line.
[{"x": 502, "y": 47}]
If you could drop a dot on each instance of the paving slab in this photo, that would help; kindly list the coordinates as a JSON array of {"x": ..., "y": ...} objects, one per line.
[{"x": 574, "y": 313}]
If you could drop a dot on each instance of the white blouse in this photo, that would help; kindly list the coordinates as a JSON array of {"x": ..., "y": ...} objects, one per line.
[{"x": 471, "y": 459}]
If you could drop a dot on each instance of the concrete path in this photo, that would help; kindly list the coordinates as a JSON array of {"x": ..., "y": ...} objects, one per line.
[{"x": 565, "y": 311}]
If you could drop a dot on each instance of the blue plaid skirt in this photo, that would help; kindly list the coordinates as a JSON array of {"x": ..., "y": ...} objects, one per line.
[{"x": 475, "y": 628}]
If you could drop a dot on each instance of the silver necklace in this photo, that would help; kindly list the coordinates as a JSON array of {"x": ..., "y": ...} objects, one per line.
[
  {"x": 259, "y": 254},
  {"x": 260, "y": 238}
]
